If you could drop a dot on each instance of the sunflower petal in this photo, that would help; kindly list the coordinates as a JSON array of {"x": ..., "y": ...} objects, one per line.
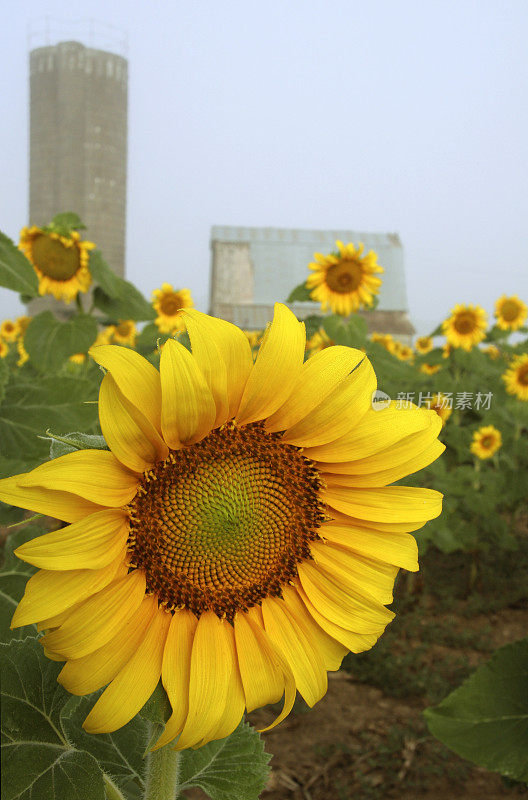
[
  {"x": 369, "y": 578},
  {"x": 374, "y": 432},
  {"x": 96, "y": 621},
  {"x": 134, "y": 683},
  {"x": 188, "y": 408},
  {"x": 304, "y": 660},
  {"x": 276, "y": 369},
  {"x": 96, "y": 475},
  {"x": 340, "y": 605},
  {"x": 355, "y": 642},
  {"x": 385, "y": 504},
  {"x": 318, "y": 378},
  {"x": 399, "y": 549},
  {"x": 331, "y": 650},
  {"x": 85, "y": 675},
  {"x": 91, "y": 543},
  {"x": 339, "y": 412},
  {"x": 384, "y": 477},
  {"x": 212, "y": 666},
  {"x": 60, "y": 505},
  {"x": 48, "y": 593},
  {"x": 223, "y": 354},
  {"x": 128, "y": 433},
  {"x": 175, "y": 672},
  {"x": 136, "y": 377}
]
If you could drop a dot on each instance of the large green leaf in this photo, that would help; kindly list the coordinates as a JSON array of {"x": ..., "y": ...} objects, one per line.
[
  {"x": 129, "y": 303},
  {"x": 235, "y": 768},
  {"x": 60, "y": 445},
  {"x": 486, "y": 719},
  {"x": 109, "y": 282},
  {"x": 60, "y": 403},
  {"x": 13, "y": 578},
  {"x": 38, "y": 759},
  {"x": 301, "y": 294},
  {"x": 15, "y": 270},
  {"x": 49, "y": 342},
  {"x": 120, "y": 754}
]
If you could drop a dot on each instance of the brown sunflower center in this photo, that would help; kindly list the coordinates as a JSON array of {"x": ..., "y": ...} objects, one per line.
[
  {"x": 223, "y": 523},
  {"x": 124, "y": 329},
  {"x": 522, "y": 375},
  {"x": 345, "y": 277},
  {"x": 170, "y": 304},
  {"x": 487, "y": 441},
  {"x": 465, "y": 322},
  {"x": 509, "y": 310},
  {"x": 54, "y": 259}
]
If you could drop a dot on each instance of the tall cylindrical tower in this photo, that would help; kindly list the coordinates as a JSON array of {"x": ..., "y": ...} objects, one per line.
[{"x": 78, "y": 141}]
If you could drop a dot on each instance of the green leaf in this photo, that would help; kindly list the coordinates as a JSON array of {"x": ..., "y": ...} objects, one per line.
[
  {"x": 15, "y": 270},
  {"x": 109, "y": 282},
  {"x": 301, "y": 294},
  {"x": 336, "y": 329},
  {"x": 486, "y": 719},
  {"x": 157, "y": 709},
  {"x": 60, "y": 445},
  {"x": 49, "y": 342},
  {"x": 30, "y": 408},
  {"x": 235, "y": 768},
  {"x": 65, "y": 223},
  {"x": 4, "y": 378},
  {"x": 128, "y": 304},
  {"x": 120, "y": 754},
  {"x": 357, "y": 330},
  {"x": 13, "y": 578},
  {"x": 38, "y": 761}
]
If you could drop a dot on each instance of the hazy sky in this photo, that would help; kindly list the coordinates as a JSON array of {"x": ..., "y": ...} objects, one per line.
[{"x": 405, "y": 116}]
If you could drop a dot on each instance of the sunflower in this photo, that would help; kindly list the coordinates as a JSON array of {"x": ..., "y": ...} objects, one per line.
[
  {"x": 447, "y": 349},
  {"x": 238, "y": 538},
  {"x": 61, "y": 262},
  {"x": 430, "y": 369},
  {"x": 104, "y": 336},
  {"x": 319, "y": 341},
  {"x": 423, "y": 344},
  {"x": 23, "y": 354},
  {"x": 492, "y": 351},
  {"x": 402, "y": 351},
  {"x": 169, "y": 305},
  {"x": 9, "y": 330},
  {"x": 4, "y": 348},
  {"x": 442, "y": 405},
  {"x": 510, "y": 312},
  {"x": 77, "y": 358},
  {"x": 22, "y": 324},
  {"x": 516, "y": 377},
  {"x": 125, "y": 332},
  {"x": 345, "y": 280},
  {"x": 466, "y": 326},
  {"x": 486, "y": 442}
]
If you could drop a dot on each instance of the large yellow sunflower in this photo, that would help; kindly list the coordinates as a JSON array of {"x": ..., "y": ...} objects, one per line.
[
  {"x": 169, "y": 304},
  {"x": 510, "y": 312},
  {"x": 61, "y": 262},
  {"x": 346, "y": 280},
  {"x": 466, "y": 326},
  {"x": 238, "y": 538},
  {"x": 486, "y": 441},
  {"x": 516, "y": 377}
]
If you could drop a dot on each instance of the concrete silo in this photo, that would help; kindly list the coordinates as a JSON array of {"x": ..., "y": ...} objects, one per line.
[{"x": 78, "y": 141}]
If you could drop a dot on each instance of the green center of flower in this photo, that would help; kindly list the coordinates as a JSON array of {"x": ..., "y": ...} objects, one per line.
[
  {"x": 223, "y": 523},
  {"x": 465, "y": 323},
  {"x": 344, "y": 277},
  {"x": 54, "y": 259}
]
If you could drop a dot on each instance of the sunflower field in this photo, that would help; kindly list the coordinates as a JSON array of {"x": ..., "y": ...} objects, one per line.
[{"x": 287, "y": 563}]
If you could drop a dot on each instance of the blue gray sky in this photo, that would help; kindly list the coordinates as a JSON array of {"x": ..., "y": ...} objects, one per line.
[{"x": 404, "y": 116}]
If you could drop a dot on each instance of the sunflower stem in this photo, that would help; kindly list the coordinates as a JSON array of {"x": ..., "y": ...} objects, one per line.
[{"x": 163, "y": 773}]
